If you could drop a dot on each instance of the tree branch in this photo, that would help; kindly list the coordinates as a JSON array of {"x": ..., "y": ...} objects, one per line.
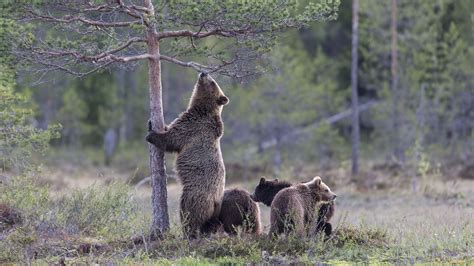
[
  {"x": 329, "y": 120},
  {"x": 118, "y": 49},
  {"x": 53, "y": 66},
  {"x": 71, "y": 19},
  {"x": 197, "y": 66},
  {"x": 200, "y": 34},
  {"x": 128, "y": 58},
  {"x": 132, "y": 10},
  {"x": 100, "y": 8},
  {"x": 93, "y": 58}
]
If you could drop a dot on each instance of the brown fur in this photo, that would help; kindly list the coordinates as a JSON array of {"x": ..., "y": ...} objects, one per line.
[
  {"x": 195, "y": 135},
  {"x": 293, "y": 209},
  {"x": 238, "y": 209},
  {"x": 266, "y": 190}
]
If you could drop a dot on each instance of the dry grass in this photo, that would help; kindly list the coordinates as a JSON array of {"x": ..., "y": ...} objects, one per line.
[{"x": 385, "y": 220}]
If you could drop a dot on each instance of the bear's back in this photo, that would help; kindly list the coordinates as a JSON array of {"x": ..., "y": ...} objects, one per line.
[
  {"x": 238, "y": 209},
  {"x": 287, "y": 199}
]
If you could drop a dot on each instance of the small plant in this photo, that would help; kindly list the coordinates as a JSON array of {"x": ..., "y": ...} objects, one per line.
[
  {"x": 97, "y": 211},
  {"x": 23, "y": 193},
  {"x": 365, "y": 236}
]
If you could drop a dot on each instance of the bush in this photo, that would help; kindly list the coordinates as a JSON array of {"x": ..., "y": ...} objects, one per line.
[
  {"x": 23, "y": 193},
  {"x": 105, "y": 212},
  {"x": 97, "y": 211}
]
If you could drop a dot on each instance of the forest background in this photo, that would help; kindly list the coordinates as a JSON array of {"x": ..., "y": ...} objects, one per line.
[{"x": 289, "y": 120}]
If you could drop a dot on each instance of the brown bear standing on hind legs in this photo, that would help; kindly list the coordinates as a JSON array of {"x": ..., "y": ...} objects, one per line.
[
  {"x": 266, "y": 190},
  {"x": 195, "y": 135},
  {"x": 293, "y": 208},
  {"x": 239, "y": 210}
]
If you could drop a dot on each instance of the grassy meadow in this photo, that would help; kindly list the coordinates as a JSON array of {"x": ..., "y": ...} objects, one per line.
[{"x": 84, "y": 212}]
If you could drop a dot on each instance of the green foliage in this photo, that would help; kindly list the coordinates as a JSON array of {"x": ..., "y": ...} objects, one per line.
[
  {"x": 13, "y": 246},
  {"x": 18, "y": 138},
  {"x": 90, "y": 107},
  {"x": 235, "y": 14},
  {"x": 71, "y": 115},
  {"x": 329, "y": 144},
  {"x": 434, "y": 65},
  {"x": 101, "y": 211},
  {"x": 348, "y": 243},
  {"x": 298, "y": 93},
  {"x": 266, "y": 19},
  {"x": 301, "y": 82},
  {"x": 256, "y": 25},
  {"x": 105, "y": 212},
  {"x": 25, "y": 194}
]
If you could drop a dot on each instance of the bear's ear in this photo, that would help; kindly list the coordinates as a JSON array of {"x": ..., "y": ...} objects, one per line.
[
  {"x": 276, "y": 180},
  {"x": 317, "y": 180},
  {"x": 262, "y": 181},
  {"x": 223, "y": 100}
]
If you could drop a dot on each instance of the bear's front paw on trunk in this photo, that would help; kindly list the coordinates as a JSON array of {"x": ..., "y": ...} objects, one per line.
[
  {"x": 150, "y": 126},
  {"x": 151, "y": 136}
]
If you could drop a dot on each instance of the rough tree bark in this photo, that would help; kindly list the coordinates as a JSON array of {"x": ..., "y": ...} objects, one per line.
[
  {"x": 355, "y": 100},
  {"x": 160, "y": 219}
]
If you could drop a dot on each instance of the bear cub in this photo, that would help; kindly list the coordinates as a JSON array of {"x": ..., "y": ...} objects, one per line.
[
  {"x": 239, "y": 210},
  {"x": 266, "y": 190},
  {"x": 195, "y": 136},
  {"x": 293, "y": 208}
]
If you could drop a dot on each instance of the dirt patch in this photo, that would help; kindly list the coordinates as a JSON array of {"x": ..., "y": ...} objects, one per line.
[
  {"x": 9, "y": 217},
  {"x": 467, "y": 172}
]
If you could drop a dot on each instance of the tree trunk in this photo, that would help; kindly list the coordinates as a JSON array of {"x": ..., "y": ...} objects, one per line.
[
  {"x": 355, "y": 100},
  {"x": 397, "y": 148},
  {"x": 160, "y": 222}
]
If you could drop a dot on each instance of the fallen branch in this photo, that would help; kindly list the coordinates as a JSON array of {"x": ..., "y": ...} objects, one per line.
[
  {"x": 148, "y": 180},
  {"x": 330, "y": 120}
]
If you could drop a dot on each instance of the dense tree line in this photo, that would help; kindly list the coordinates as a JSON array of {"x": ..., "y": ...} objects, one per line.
[{"x": 302, "y": 82}]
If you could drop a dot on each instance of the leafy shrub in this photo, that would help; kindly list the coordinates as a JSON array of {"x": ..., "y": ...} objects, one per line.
[
  {"x": 23, "y": 193},
  {"x": 105, "y": 211}
]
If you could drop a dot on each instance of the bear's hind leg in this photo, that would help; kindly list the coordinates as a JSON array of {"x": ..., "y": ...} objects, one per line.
[
  {"x": 211, "y": 226},
  {"x": 191, "y": 220},
  {"x": 195, "y": 214},
  {"x": 212, "y": 223}
]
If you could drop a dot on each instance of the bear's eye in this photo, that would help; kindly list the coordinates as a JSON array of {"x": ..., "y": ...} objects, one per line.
[{"x": 326, "y": 190}]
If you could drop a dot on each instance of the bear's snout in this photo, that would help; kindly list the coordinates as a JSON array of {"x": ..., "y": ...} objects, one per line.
[
  {"x": 202, "y": 75},
  {"x": 334, "y": 196}
]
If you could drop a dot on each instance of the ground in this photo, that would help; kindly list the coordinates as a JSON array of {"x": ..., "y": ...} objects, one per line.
[{"x": 387, "y": 219}]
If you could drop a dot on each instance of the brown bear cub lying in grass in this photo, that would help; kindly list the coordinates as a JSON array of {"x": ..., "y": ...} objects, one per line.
[
  {"x": 293, "y": 208},
  {"x": 267, "y": 189},
  {"x": 195, "y": 135},
  {"x": 239, "y": 210}
]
